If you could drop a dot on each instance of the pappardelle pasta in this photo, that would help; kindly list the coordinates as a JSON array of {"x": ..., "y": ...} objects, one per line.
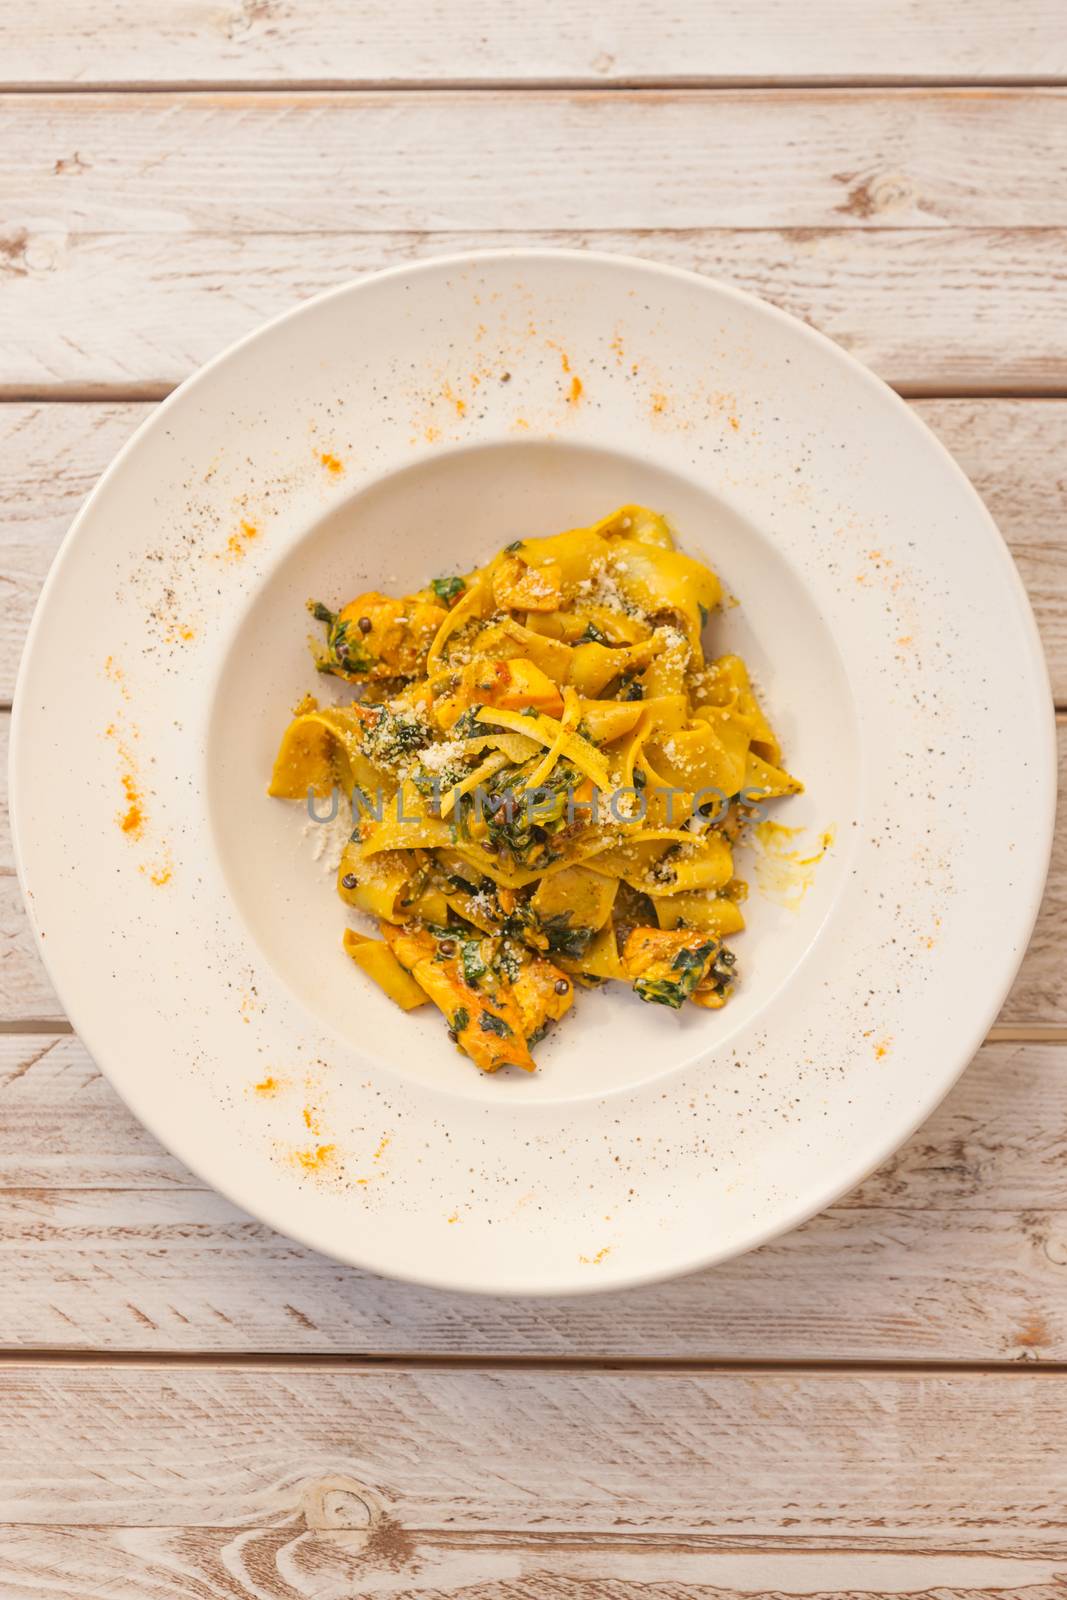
[{"x": 547, "y": 780}]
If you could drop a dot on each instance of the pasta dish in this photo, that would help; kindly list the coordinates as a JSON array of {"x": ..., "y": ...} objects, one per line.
[{"x": 547, "y": 779}]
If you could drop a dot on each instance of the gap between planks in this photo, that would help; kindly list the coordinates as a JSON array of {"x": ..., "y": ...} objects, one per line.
[
  {"x": 633, "y": 84},
  {"x": 1008, "y": 1033},
  {"x": 666, "y": 1366},
  {"x": 1000, "y": 1033},
  {"x": 134, "y": 393}
]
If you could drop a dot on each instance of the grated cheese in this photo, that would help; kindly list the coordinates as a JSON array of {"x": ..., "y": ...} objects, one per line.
[
  {"x": 327, "y": 840},
  {"x": 439, "y": 756}
]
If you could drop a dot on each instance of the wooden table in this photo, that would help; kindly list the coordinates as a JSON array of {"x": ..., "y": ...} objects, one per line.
[{"x": 191, "y": 1405}]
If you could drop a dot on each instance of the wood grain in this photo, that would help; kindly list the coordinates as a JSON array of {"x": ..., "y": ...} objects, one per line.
[
  {"x": 1039, "y": 995},
  {"x": 932, "y": 310},
  {"x": 25, "y": 990},
  {"x": 129, "y": 252},
  {"x": 1014, "y": 454},
  {"x": 50, "y": 457},
  {"x": 954, "y": 1251},
  {"x": 387, "y": 162},
  {"x": 1013, "y": 450},
  {"x": 418, "y": 41},
  {"x": 1040, "y": 991},
  {"x": 794, "y": 1460},
  {"x": 139, "y": 234},
  {"x": 288, "y": 1559}
]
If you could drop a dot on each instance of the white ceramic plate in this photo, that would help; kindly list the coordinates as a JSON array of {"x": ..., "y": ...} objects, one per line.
[{"x": 408, "y": 425}]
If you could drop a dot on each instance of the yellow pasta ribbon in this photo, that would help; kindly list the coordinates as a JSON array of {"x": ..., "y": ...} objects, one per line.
[
  {"x": 572, "y": 715},
  {"x": 492, "y": 764},
  {"x": 545, "y": 730},
  {"x": 462, "y": 612}
]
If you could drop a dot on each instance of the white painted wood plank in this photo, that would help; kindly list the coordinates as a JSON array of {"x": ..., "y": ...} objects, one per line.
[
  {"x": 264, "y": 41},
  {"x": 1013, "y": 452},
  {"x": 125, "y": 314},
  {"x": 50, "y": 457},
  {"x": 954, "y": 1251},
  {"x": 395, "y": 162},
  {"x": 52, "y": 453},
  {"x": 129, "y": 253},
  {"x": 1040, "y": 991},
  {"x": 293, "y": 1559},
  {"x": 299, "y": 1558},
  {"x": 1039, "y": 994},
  {"x": 963, "y": 1462},
  {"x": 25, "y": 989}
]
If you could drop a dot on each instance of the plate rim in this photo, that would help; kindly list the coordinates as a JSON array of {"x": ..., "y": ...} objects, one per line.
[{"x": 1045, "y": 777}]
